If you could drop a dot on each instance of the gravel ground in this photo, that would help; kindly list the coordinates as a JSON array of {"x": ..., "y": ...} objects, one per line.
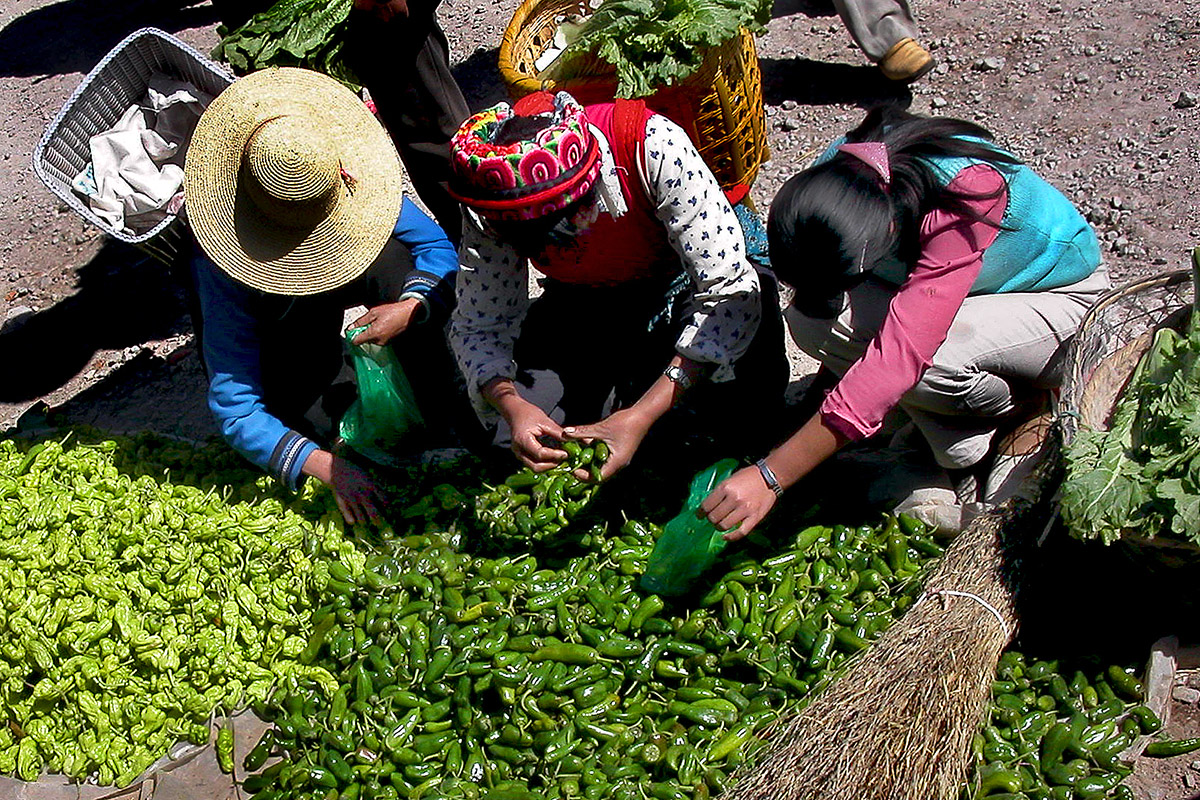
[{"x": 1101, "y": 97}]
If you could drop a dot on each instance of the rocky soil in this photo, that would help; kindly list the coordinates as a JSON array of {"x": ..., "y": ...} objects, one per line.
[{"x": 1102, "y": 97}]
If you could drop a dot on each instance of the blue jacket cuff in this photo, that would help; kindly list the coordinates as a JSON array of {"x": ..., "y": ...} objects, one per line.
[{"x": 288, "y": 458}]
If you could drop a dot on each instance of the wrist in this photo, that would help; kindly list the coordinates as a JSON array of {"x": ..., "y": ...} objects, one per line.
[
  {"x": 503, "y": 396},
  {"x": 768, "y": 477},
  {"x": 418, "y": 304},
  {"x": 319, "y": 465}
]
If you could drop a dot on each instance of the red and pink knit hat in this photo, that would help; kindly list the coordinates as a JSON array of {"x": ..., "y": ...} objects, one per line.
[{"x": 530, "y": 178}]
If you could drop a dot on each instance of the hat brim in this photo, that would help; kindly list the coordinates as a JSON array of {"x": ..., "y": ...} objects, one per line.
[{"x": 257, "y": 251}]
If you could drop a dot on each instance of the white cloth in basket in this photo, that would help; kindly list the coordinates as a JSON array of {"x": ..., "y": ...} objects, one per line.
[{"x": 135, "y": 177}]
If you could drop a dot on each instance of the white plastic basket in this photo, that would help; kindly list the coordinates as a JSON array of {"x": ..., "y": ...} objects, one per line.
[{"x": 117, "y": 82}]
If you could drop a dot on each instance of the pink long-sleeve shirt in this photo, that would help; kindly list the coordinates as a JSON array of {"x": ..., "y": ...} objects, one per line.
[{"x": 921, "y": 311}]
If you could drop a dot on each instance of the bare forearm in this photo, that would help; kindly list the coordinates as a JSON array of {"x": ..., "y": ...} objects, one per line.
[
  {"x": 319, "y": 465},
  {"x": 664, "y": 393},
  {"x": 501, "y": 394},
  {"x": 804, "y": 451}
]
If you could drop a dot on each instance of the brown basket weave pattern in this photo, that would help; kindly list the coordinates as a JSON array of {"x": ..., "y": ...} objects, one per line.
[
  {"x": 1111, "y": 340},
  {"x": 118, "y": 81},
  {"x": 720, "y": 105}
]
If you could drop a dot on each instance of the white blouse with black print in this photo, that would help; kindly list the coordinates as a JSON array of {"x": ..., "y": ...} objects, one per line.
[{"x": 724, "y": 308}]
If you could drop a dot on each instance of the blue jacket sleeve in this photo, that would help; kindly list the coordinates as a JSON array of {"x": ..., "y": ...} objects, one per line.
[
  {"x": 435, "y": 259},
  {"x": 235, "y": 394}
]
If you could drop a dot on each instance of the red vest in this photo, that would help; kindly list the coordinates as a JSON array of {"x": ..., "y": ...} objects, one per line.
[{"x": 632, "y": 246}]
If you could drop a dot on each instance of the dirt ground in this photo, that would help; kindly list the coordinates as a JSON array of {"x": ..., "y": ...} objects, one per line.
[{"x": 1102, "y": 97}]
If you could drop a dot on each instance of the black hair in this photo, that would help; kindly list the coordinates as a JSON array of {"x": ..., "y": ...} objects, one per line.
[
  {"x": 520, "y": 128},
  {"x": 531, "y": 236},
  {"x": 832, "y": 223}
]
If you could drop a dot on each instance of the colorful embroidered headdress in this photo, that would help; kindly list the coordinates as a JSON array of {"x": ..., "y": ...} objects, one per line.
[{"x": 532, "y": 177}]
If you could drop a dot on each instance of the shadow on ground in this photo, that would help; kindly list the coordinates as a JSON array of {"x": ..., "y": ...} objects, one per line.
[
  {"x": 122, "y": 298},
  {"x": 480, "y": 80},
  {"x": 73, "y": 36},
  {"x": 809, "y": 8},
  {"x": 819, "y": 83}
]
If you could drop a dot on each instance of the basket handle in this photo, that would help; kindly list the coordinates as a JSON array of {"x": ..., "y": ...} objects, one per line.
[{"x": 1196, "y": 279}]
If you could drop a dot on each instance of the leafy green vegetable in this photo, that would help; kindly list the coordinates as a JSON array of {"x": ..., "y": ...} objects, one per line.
[
  {"x": 292, "y": 33},
  {"x": 1142, "y": 476},
  {"x": 657, "y": 43}
]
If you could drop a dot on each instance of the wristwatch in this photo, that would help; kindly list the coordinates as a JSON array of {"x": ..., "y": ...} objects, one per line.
[{"x": 677, "y": 375}]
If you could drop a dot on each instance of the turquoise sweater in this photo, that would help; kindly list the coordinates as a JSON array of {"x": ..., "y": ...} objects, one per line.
[{"x": 1044, "y": 242}]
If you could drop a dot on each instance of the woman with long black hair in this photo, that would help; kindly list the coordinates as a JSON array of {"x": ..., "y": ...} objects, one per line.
[{"x": 934, "y": 272}]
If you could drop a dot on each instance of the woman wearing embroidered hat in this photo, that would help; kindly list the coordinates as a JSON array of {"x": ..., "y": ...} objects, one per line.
[
  {"x": 934, "y": 272},
  {"x": 648, "y": 286},
  {"x": 294, "y": 193}
]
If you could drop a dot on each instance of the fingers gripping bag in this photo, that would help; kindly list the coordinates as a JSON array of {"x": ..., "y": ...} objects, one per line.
[
  {"x": 689, "y": 543},
  {"x": 385, "y": 412}
]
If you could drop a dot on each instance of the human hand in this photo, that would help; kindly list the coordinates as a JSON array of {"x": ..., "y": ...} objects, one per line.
[
  {"x": 355, "y": 492},
  {"x": 622, "y": 431},
  {"x": 386, "y": 322},
  {"x": 383, "y": 10},
  {"x": 740, "y": 501},
  {"x": 529, "y": 424}
]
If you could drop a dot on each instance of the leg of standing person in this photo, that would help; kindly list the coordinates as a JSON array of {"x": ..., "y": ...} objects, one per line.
[
  {"x": 885, "y": 31},
  {"x": 405, "y": 65}
]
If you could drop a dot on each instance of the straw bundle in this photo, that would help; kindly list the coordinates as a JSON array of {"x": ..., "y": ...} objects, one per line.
[{"x": 899, "y": 723}]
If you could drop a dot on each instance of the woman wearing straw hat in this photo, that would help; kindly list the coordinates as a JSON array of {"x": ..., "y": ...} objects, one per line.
[
  {"x": 648, "y": 288},
  {"x": 293, "y": 190},
  {"x": 398, "y": 50}
]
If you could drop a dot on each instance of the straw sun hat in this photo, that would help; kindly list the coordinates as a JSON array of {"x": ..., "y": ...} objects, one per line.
[{"x": 292, "y": 186}]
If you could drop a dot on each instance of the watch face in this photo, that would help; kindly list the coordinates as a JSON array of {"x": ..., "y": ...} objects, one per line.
[{"x": 677, "y": 375}]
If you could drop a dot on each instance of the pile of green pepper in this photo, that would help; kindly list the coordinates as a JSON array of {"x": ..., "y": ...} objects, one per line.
[
  {"x": 514, "y": 678},
  {"x": 1056, "y": 733},
  {"x": 138, "y": 606},
  {"x": 535, "y": 505}
]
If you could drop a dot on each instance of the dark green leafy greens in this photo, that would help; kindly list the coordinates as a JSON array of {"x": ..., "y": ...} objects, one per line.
[
  {"x": 1142, "y": 476},
  {"x": 657, "y": 43},
  {"x": 291, "y": 33}
]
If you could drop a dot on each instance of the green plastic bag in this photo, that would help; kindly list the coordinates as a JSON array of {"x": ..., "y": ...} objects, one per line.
[
  {"x": 385, "y": 411},
  {"x": 689, "y": 544}
]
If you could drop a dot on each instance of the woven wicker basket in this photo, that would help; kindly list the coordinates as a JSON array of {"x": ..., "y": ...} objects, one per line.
[
  {"x": 1112, "y": 338},
  {"x": 720, "y": 105},
  {"x": 117, "y": 82}
]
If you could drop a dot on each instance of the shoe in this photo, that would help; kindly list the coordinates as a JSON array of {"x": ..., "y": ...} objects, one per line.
[
  {"x": 906, "y": 61},
  {"x": 1019, "y": 457}
]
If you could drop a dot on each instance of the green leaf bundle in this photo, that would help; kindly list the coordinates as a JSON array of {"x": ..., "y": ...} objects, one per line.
[
  {"x": 657, "y": 43},
  {"x": 1142, "y": 476},
  {"x": 292, "y": 33}
]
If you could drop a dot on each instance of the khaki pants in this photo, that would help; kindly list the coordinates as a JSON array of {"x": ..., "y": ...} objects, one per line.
[
  {"x": 876, "y": 25},
  {"x": 1002, "y": 352}
]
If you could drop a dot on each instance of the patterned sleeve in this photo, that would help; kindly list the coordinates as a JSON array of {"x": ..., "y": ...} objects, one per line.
[
  {"x": 726, "y": 306},
  {"x": 492, "y": 298},
  {"x": 235, "y": 395},
  {"x": 923, "y": 309}
]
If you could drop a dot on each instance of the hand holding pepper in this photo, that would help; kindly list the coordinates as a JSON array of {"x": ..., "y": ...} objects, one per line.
[
  {"x": 744, "y": 499},
  {"x": 623, "y": 432},
  {"x": 529, "y": 425},
  {"x": 356, "y": 494}
]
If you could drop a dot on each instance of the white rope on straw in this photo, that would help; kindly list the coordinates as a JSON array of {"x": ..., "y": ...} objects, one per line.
[{"x": 943, "y": 593}]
